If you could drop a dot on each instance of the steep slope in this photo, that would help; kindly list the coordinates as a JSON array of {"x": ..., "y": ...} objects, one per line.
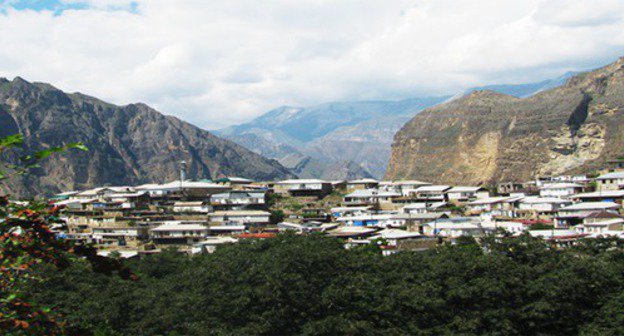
[
  {"x": 128, "y": 144},
  {"x": 526, "y": 90},
  {"x": 485, "y": 137}
]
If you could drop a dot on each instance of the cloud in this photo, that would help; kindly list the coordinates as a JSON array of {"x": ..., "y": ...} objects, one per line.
[{"x": 215, "y": 63}]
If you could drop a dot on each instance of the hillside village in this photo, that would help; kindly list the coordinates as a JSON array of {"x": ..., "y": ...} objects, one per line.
[{"x": 198, "y": 216}]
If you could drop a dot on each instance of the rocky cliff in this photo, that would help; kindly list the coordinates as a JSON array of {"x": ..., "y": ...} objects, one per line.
[
  {"x": 127, "y": 144},
  {"x": 485, "y": 137}
]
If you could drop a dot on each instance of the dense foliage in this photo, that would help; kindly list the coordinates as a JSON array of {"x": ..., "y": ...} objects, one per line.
[
  {"x": 27, "y": 243},
  {"x": 312, "y": 286}
]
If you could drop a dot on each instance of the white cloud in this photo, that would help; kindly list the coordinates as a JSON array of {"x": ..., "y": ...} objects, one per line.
[{"x": 220, "y": 62}]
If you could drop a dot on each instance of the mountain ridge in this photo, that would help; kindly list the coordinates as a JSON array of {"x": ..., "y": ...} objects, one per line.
[
  {"x": 128, "y": 144},
  {"x": 485, "y": 137}
]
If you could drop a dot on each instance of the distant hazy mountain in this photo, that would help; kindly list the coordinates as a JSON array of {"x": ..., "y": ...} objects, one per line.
[
  {"x": 356, "y": 135},
  {"x": 525, "y": 90},
  {"x": 127, "y": 144},
  {"x": 311, "y": 140}
]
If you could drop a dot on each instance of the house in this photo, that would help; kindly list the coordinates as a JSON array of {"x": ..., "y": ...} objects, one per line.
[
  {"x": 610, "y": 181},
  {"x": 434, "y": 193},
  {"x": 560, "y": 189},
  {"x": 238, "y": 200},
  {"x": 361, "y": 184},
  {"x": 192, "y": 207},
  {"x": 303, "y": 187},
  {"x": 501, "y": 206},
  {"x": 615, "y": 196},
  {"x": 400, "y": 239},
  {"x": 210, "y": 244},
  {"x": 351, "y": 232},
  {"x": 561, "y": 237},
  {"x": 456, "y": 227},
  {"x": 236, "y": 183},
  {"x": 466, "y": 194},
  {"x": 121, "y": 233},
  {"x": 190, "y": 190},
  {"x": 513, "y": 227},
  {"x": 575, "y": 213},
  {"x": 376, "y": 220},
  {"x": 601, "y": 222},
  {"x": 349, "y": 211},
  {"x": 240, "y": 217},
  {"x": 370, "y": 197},
  {"x": 402, "y": 187},
  {"x": 426, "y": 207},
  {"x": 307, "y": 227},
  {"x": 541, "y": 205},
  {"x": 506, "y": 188},
  {"x": 176, "y": 232}
]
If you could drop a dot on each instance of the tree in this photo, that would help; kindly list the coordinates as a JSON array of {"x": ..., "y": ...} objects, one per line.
[{"x": 26, "y": 241}]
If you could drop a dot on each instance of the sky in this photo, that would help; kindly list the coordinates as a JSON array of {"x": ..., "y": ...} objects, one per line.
[{"x": 218, "y": 63}]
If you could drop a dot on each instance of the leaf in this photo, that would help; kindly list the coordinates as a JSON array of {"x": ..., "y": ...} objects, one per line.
[
  {"x": 78, "y": 145},
  {"x": 11, "y": 140}
]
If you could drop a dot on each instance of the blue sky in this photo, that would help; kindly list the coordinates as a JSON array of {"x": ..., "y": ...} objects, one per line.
[{"x": 216, "y": 63}]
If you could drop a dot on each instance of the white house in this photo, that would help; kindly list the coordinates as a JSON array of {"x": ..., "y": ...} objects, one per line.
[
  {"x": 601, "y": 222},
  {"x": 430, "y": 193},
  {"x": 241, "y": 217},
  {"x": 611, "y": 181},
  {"x": 365, "y": 183},
  {"x": 238, "y": 199},
  {"x": 303, "y": 187},
  {"x": 494, "y": 205},
  {"x": 402, "y": 187},
  {"x": 542, "y": 205},
  {"x": 465, "y": 194},
  {"x": 575, "y": 213},
  {"x": 370, "y": 197},
  {"x": 456, "y": 227},
  {"x": 192, "y": 207},
  {"x": 176, "y": 232},
  {"x": 560, "y": 189},
  {"x": 211, "y": 243}
]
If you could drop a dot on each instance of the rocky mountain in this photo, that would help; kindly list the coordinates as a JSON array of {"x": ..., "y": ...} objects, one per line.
[
  {"x": 354, "y": 135},
  {"x": 485, "y": 136},
  {"x": 127, "y": 144}
]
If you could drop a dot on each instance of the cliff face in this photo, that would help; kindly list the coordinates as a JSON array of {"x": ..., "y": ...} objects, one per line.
[
  {"x": 486, "y": 137},
  {"x": 127, "y": 144}
]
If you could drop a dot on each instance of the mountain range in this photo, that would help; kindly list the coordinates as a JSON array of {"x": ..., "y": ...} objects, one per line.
[
  {"x": 485, "y": 136},
  {"x": 127, "y": 144},
  {"x": 355, "y": 137}
]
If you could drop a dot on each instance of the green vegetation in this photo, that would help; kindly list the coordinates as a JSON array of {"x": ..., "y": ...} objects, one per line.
[{"x": 311, "y": 285}]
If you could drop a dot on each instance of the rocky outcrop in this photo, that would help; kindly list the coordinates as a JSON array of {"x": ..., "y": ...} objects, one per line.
[
  {"x": 127, "y": 144},
  {"x": 485, "y": 137}
]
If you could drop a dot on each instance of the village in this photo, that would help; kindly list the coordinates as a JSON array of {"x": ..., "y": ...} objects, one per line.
[{"x": 198, "y": 216}]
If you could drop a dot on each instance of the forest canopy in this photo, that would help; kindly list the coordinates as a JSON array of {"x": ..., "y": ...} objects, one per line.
[{"x": 311, "y": 285}]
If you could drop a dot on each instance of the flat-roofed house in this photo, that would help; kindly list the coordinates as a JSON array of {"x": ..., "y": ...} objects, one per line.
[
  {"x": 542, "y": 205},
  {"x": 236, "y": 183},
  {"x": 610, "y": 181},
  {"x": 560, "y": 189},
  {"x": 615, "y": 196},
  {"x": 601, "y": 222},
  {"x": 238, "y": 200},
  {"x": 456, "y": 227},
  {"x": 210, "y": 244},
  {"x": 192, "y": 207},
  {"x": 365, "y": 183},
  {"x": 240, "y": 217},
  {"x": 466, "y": 194},
  {"x": 430, "y": 193},
  {"x": 370, "y": 197},
  {"x": 504, "y": 206},
  {"x": 403, "y": 187},
  {"x": 303, "y": 187},
  {"x": 575, "y": 213},
  {"x": 176, "y": 232}
]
